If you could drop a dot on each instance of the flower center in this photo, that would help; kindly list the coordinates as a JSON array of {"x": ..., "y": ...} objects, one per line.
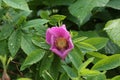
[{"x": 61, "y": 43}]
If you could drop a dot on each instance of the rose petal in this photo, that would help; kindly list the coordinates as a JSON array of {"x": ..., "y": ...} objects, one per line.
[
  {"x": 59, "y": 31},
  {"x": 48, "y": 36}
]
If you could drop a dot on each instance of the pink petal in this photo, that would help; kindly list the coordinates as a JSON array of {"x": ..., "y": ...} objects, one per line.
[
  {"x": 71, "y": 46},
  {"x": 59, "y": 31},
  {"x": 48, "y": 36},
  {"x": 64, "y": 53}
]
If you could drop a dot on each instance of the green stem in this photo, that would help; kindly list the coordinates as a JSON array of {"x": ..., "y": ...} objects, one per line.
[
  {"x": 3, "y": 60},
  {"x": 10, "y": 59},
  {"x": 59, "y": 23}
]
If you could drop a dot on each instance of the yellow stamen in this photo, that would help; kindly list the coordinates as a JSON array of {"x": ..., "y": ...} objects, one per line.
[{"x": 61, "y": 43}]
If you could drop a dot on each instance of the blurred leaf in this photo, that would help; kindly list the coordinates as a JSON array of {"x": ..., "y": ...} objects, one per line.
[
  {"x": 87, "y": 72},
  {"x": 54, "y": 19},
  {"x": 6, "y": 31},
  {"x": 24, "y": 79},
  {"x": 85, "y": 64},
  {"x": 55, "y": 67},
  {"x": 41, "y": 43},
  {"x": 44, "y": 14},
  {"x": 20, "y": 21},
  {"x": 64, "y": 77},
  {"x": 88, "y": 34},
  {"x": 85, "y": 47},
  {"x": 46, "y": 63},
  {"x": 18, "y": 17},
  {"x": 74, "y": 34},
  {"x": 34, "y": 23},
  {"x": 3, "y": 47},
  {"x": 18, "y": 4},
  {"x": 111, "y": 48},
  {"x": 0, "y": 3},
  {"x": 41, "y": 31},
  {"x": 47, "y": 76},
  {"x": 108, "y": 63},
  {"x": 76, "y": 57},
  {"x": 97, "y": 42},
  {"x": 96, "y": 77},
  {"x": 112, "y": 28},
  {"x": 27, "y": 45},
  {"x": 114, "y": 4},
  {"x": 33, "y": 58},
  {"x": 14, "y": 42},
  {"x": 58, "y": 2},
  {"x": 83, "y": 34},
  {"x": 71, "y": 73},
  {"x": 116, "y": 77},
  {"x": 97, "y": 55},
  {"x": 79, "y": 39},
  {"x": 73, "y": 19},
  {"x": 81, "y": 11}
]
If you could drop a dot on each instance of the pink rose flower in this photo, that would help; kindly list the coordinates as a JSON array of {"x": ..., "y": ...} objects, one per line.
[{"x": 60, "y": 40}]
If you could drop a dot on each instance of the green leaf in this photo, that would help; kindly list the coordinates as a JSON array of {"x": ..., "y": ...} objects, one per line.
[
  {"x": 4, "y": 47},
  {"x": 85, "y": 47},
  {"x": 41, "y": 43},
  {"x": 114, "y": 4},
  {"x": 14, "y": 42},
  {"x": 97, "y": 77},
  {"x": 47, "y": 76},
  {"x": 27, "y": 45},
  {"x": 44, "y": 14},
  {"x": 33, "y": 58},
  {"x": 64, "y": 77},
  {"x": 58, "y": 2},
  {"x": 70, "y": 72},
  {"x": 0, "y": 3},
  {"x": 18, "y": 4},
  {"x": 112, "y": 48},
  {"x": 76, "y": 57},
  {"x": 55, "y": 67},
  {"x": 88, "y": 34},
  {"x": 34, "y": 23},
  {"x": 18, "y": 18},
  {"x": 6, "y": 31},
  {"x": 82, "y": 8},
  {"x": 108, "y": 63},
  {"x": 46, "y": 63},
  {"x": 24, "y": 79},
  {"x": 54, "y": 19},
  {"x": 87, "y": 72},
  {"x": 85, "y": 64},
  {"x": 79, "y": 39},
  {"x": 112, "y": 28},
  {"x": 97, "y": 42},
  {"x": 97, "y": 55},
  {"x": 116, "y": 78}
]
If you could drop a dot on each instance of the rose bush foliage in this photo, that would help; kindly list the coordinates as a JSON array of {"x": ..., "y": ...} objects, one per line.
[{"x": 59, "y": 40}]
